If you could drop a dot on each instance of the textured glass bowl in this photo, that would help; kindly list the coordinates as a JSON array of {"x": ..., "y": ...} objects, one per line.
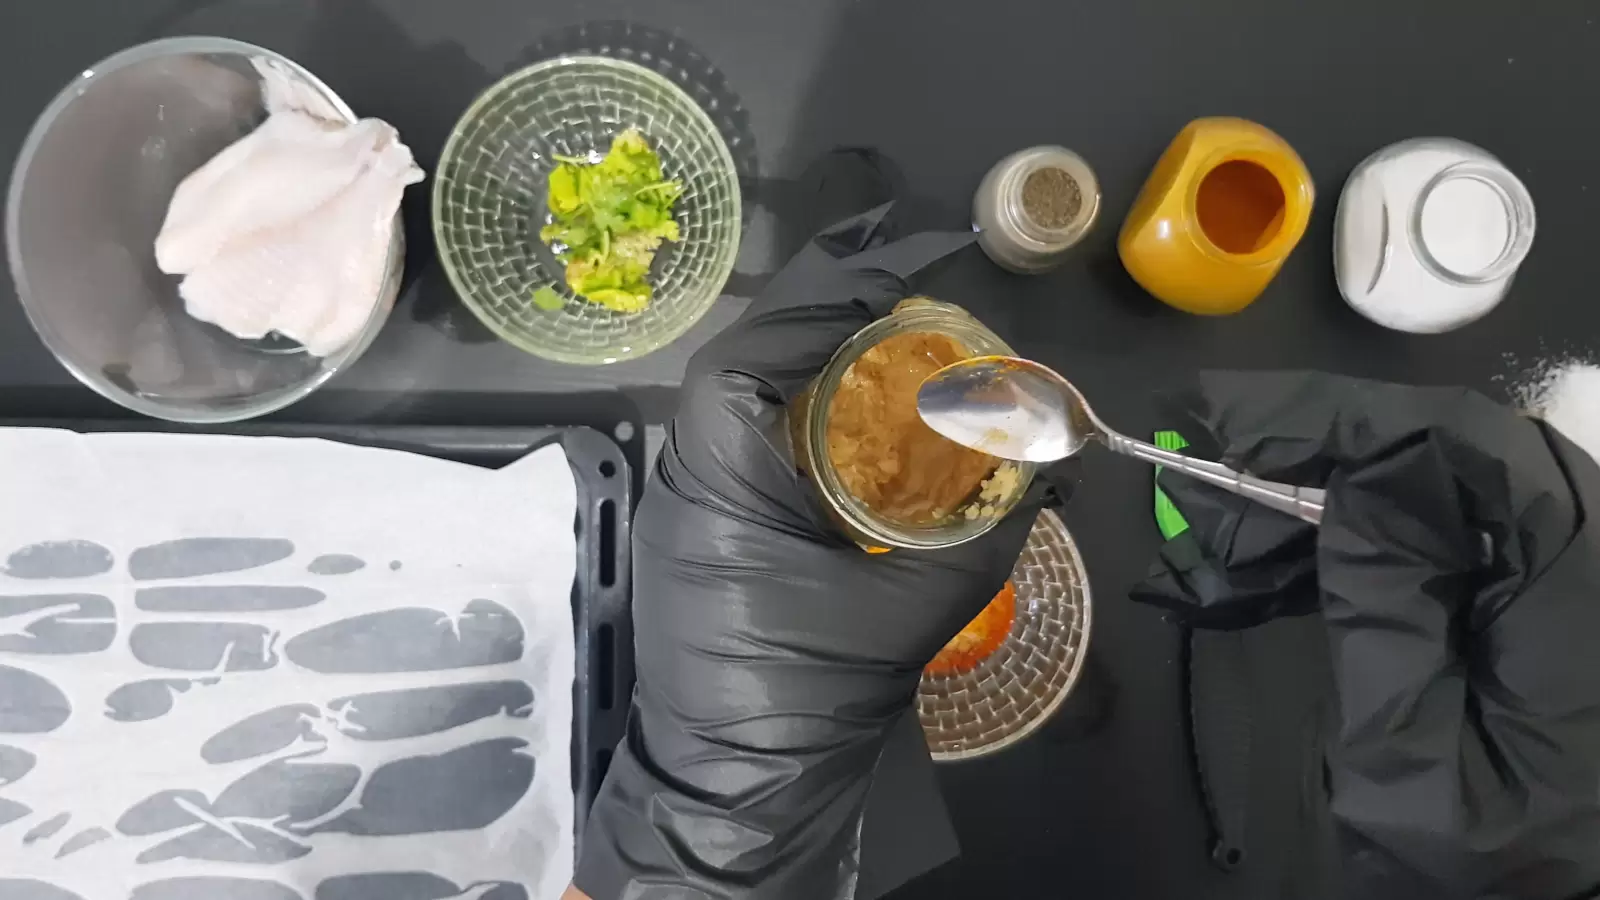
[
  {"x": 489, "y": 202},
  {"x": 87, "y": 198},
  {"x": 1016, "y": 689}
]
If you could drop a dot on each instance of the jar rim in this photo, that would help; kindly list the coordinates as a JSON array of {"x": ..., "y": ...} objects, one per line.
[
  {"x": 1294, "y": 180},
  {"x": 913, "y": 315},
  {"x": 1520, "y": 221},
  {"x": 1032, "y": 236}
]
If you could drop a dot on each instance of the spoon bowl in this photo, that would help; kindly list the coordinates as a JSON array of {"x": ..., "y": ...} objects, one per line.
[{"x": 1008, "y": 407}]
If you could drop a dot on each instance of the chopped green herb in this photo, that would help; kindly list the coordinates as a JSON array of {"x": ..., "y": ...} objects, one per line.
[
  {"x": 608, "y": 219},
  {"x": 546, "y": 298}
]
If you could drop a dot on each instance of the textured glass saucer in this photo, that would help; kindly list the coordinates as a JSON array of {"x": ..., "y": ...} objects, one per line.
[
  {"x": 1016, "y": 689},
  {"x": 489, "y": 204}
]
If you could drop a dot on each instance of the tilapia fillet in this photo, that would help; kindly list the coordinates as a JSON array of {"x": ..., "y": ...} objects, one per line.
[{"x": 288, "y": 229}]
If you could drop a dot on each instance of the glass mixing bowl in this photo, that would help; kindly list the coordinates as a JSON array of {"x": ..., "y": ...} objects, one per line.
[
  {"x": 1013, "y": 691},
  {"x": 87, "y": 199},
  {"x": 489, "y": 202}
]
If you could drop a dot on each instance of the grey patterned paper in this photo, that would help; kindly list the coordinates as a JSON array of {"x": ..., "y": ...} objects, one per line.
[{"x": 262, "y": 669}]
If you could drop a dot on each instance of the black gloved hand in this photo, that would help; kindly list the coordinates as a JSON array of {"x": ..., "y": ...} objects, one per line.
[
  {"x": 1458, "y": 569},
  {"x": 773, "y": 655}
]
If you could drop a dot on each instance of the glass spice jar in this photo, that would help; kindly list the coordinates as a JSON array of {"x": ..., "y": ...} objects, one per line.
[
  {"x": 1033, "y": 206},
  {"x": 811, "y": 416}
]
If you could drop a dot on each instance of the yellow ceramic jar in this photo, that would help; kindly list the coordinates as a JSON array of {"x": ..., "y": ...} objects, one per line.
[{"x": 1222, "y": 210}]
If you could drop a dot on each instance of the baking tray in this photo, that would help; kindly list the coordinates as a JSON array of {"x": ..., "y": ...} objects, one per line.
[{"x": 601, "y": 610}]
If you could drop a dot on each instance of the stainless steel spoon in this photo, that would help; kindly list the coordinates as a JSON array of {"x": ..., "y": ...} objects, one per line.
[{"x": 1018, "y": 409}]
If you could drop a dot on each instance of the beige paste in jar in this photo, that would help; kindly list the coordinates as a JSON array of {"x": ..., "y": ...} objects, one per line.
[{"x": 883, "y": 453}]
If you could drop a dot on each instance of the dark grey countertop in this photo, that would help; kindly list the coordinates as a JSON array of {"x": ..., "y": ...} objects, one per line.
[{"x": 942, "y": 89}]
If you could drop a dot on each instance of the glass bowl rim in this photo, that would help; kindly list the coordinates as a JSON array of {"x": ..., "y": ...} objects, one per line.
[{"x": 452, "y": 149}]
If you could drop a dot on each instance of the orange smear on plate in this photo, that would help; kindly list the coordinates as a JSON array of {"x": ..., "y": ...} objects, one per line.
[{"x": 981, "y": 637}]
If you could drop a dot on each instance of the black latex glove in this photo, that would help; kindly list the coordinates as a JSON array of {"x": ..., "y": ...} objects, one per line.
[
  {"x": 773, "y": 655},
  {"x": 1458, "y": 569}
]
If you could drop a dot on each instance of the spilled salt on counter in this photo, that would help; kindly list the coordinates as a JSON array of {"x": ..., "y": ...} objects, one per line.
[{"x": 1567, "y": 395}]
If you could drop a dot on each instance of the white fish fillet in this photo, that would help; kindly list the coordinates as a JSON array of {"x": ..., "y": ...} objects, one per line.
[
  {"x": 280, "y": 172},
  {"x": 288, "y": 229},
  {"x": 313, "y": 279}
]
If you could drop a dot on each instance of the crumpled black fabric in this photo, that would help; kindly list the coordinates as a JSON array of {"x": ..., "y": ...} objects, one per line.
[
  {"x": 1458, "y": 571},
  {"x": 774, "y": 657}
]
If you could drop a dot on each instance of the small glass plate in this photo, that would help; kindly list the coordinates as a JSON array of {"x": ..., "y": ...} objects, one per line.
[{"x": 1016, "y": 689}]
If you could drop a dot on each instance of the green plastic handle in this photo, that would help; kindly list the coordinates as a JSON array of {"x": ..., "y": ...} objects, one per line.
[{"x": 1168, "y": 519}]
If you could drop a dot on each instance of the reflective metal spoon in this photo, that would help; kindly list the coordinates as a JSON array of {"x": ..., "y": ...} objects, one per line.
[{"x": 1018, "y": 409}]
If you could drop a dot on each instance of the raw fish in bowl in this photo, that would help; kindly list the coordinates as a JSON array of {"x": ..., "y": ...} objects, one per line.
[{"x": 281, "y": 254}]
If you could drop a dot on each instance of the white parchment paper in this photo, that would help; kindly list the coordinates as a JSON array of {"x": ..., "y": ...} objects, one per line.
[{"x": 279, "y": 669}]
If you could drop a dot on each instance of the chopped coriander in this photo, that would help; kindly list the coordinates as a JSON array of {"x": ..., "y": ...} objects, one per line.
[
  {"x": 546, "y": 298},
  {"x": 607, "y": 220}
]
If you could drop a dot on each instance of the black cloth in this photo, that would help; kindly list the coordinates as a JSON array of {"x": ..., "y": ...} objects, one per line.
[
  {"x": 775, "y": 658},
  {"x": 1458, "y": 573}
]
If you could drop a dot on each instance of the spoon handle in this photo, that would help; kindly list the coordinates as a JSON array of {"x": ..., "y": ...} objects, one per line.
[{"x": 1301, "y": 502}]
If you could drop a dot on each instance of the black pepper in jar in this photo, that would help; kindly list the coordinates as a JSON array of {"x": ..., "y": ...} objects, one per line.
[
  {"x": 1033, "y": 206},
  {"x": 1051, "y": 198}
]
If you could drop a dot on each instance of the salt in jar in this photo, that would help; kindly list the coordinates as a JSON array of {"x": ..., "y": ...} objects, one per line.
[{"x": 1429, "y": 233}]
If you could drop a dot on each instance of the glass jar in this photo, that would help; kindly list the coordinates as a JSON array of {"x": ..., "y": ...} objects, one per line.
[
  {"x": 1216, "y": 219},
  {"x": 809, "y": 416},
  {"x": 1033, "y": 206},
  {"x": 1429, "y": 233}
]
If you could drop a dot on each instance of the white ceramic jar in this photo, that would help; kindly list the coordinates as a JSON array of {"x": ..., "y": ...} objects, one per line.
[{"x": 1429, "y": 233}]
